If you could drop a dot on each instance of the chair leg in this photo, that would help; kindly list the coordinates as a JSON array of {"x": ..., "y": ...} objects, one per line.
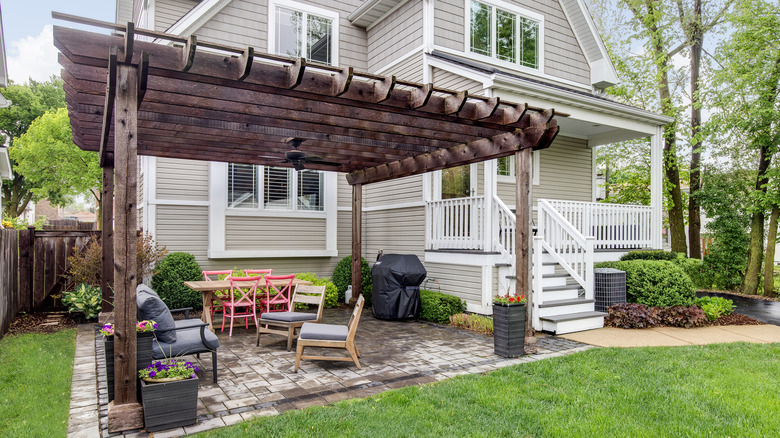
[
  {"x": 223, "y": 321},
  {"x": 356, "y": 350},
  {"x": 214, "y": 364},
  {"x": 232, "y": 318},
  {"x": 257, "y": 344},
  {"x": 298, "y": 353},
  {"x": 290, "y": 338},
  {"x": 353, "y": 353}
]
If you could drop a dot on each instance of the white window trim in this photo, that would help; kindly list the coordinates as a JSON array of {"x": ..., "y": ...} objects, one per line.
[
  {"x": 218, "y": 212},
  {"x": 302, "y": 7},
  {"x": 261, "y": 210},
  {"x": 498, "y": 62},
  {"x": 511, "y": 177}
]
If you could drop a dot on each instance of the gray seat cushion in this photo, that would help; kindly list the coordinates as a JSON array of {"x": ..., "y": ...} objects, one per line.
[
  {"x": 289, "y": 316},
  {"x": 187, "y": 342},
  {"x": 182, "y": 323},
  {"x": 151, "y": 307},
  {"x": 323, "y": 332}
]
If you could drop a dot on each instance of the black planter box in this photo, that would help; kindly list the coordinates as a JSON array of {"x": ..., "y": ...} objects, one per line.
[
  {"x": 170, "y": 404},
  {"x": 509, "y": 330},
  {"x": 143, "y": 358}
]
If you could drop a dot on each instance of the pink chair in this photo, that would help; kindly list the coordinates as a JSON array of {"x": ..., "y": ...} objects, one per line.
[
  {"x": 277, "y": 297},
  {"x": 263, "y": 273},
  {"x": 221, "y": 295},
  {"x": 243, "y": 292}
]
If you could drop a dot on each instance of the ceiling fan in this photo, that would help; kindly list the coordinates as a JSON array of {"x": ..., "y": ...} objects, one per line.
[{"x": 299, "y": 159}]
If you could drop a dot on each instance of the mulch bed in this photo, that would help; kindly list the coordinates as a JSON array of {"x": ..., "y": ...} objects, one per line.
[
  {"x": 734, "y": 319},
  {"x": 41, "y": 322}
]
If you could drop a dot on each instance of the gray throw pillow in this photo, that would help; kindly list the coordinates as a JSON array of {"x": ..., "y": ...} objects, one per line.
[{"x": 151, "y": 307}]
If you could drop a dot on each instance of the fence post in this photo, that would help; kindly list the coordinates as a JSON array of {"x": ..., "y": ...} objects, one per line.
[{"x": 26, "y": 254}]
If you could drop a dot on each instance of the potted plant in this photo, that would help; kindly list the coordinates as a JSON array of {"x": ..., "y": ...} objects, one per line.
[
  {"x": 509, "y": 325},
  {"x": 143, "y": 344},
  {"x": 169, "y": 390}
]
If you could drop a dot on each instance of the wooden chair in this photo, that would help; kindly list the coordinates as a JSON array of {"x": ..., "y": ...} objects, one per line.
[
  {"x": 292, "y": 320},
  {"x": 216, "y": 304},
  {"x": 243, "y": 292},
  {"x": 331, "y": 336}
]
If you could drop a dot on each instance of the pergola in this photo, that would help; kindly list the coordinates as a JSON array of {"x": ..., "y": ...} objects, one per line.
[{"x": 202, "y": 101}]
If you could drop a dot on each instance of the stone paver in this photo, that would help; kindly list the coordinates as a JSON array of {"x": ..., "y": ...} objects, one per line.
[{"x": 259, "y": 381}]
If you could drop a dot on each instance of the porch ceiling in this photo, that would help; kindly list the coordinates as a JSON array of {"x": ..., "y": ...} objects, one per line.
[{"x": 212, "y": 102}]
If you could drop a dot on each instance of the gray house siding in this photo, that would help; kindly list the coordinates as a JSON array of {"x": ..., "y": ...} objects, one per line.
[
  {"x": 448, "y": 24},
  {"x": 168, "y": 12},
  {"x": 462, "y": 281},
  {"x": 394, "y": 191},
  {"x": 400, "y": 230},
  {"x": 395, "y": 36},
  {"x": 253, "y": 233},
  {"x": 445, "y": 79},
  {"x": 182, "y": 180},
  {"x": 410, "y": 69}
]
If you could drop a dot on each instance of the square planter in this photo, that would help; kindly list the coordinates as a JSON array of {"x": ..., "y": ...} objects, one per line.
[
  {"x": 509, "y": 329},
  {"x": 170, "y": 404},
  {"x": 143, "y": 358}
]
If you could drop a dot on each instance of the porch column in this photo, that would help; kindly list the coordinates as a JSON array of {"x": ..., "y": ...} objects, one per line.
[
  {"x": 656, "y": 186},
  {"x": 125, "y": 413},
  {"x": 489, "y": 190},
  {"x": 523, "y": 203},
  {"x": 107, "y": 238},
  {"x": 357, "y": 221}
]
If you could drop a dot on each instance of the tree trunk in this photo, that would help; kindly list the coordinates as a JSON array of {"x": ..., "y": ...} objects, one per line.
[
  {"x": 694, "y": 217},
  {"x": 769, "y": 259},
  {"x": 756, "y": 248}
]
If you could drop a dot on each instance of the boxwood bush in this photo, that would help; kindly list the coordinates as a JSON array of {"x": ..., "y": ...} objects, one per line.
[
  {"x": 170, "y": 275},
  {"x": 650, "y": 254},
  {"x": 331, "y": 293},
  {"x": 655, "y": 282},
  {"x": 695, "y": 270},
  {"x": 342, "y": 277},
  {"x": 438, "y": 307}
]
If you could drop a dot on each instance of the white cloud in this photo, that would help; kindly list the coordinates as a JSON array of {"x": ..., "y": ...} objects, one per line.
[{"x": 33, "y": 57}]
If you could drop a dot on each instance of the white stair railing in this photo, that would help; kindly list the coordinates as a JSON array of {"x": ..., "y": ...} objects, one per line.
[
  {"x": 504, "y": 233},
  {"x": 567, "y": 245},
  {"x": 615, "y": 226},
  {"x": 456, "y": 223}
]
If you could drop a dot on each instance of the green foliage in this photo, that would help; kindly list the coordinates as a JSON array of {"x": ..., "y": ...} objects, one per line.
[
  {"x": 655, "y": 282},
  {"x": 331, "y": 292},
  {"x": 86, "y": 265},
  {"x": 36, "y": 371},
  {"x": 169, "y": 369},
  {"x": 85, "y": 299},
  {"x": 342, "y": 277},
  {"x": 438, "y": 307},
  {"x": 652, "y": 254},
  {"x": 168, "y": 281},
  {"x": 695, "y": 270},
  {"x": 715, "y": 307},
  {"x": 474, "y": 322}
]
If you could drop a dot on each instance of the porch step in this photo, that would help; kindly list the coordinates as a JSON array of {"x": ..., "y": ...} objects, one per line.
[
  {"x": 558, "y": 303},
  {"x": 565, "y": 292},
  {"x": 562, "y": 308},
  {"x": 573, "y": 322}
]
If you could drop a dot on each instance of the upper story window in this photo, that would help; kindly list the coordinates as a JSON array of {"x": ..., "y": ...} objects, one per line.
[
  {"x": 505, "y": 168},
  {"x": 279, "y": 188},
  {"x": 299, "y": 30},
  {"x": 505, "y": 34}
]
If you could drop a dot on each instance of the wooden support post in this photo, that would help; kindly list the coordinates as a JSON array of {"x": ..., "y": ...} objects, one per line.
[
  {"x": 107, "y": 239},
  {"x": 357, "y": 222},
  {"x": 524, "y": 208},
  {"x": 126, "y": 413},
  {"x": 26, "y": 252}
]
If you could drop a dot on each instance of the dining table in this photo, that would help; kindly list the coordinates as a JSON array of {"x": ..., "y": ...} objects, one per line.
[{"x": 208, "y": 288}]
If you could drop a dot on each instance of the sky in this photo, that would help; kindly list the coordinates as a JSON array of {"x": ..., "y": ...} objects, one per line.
[{"x": 27, "y": 28}]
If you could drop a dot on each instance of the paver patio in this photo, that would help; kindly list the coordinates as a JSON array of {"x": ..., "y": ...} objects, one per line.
[{"x": 256, "y": 381}]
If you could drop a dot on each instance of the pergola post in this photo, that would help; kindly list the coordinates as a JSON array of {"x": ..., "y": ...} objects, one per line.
[
  {"x": 125, "y": 413},
  {"x": 357, "y": 222},
  {"x": 524, "y": 207},
  {"x": 107, "y": 239}
]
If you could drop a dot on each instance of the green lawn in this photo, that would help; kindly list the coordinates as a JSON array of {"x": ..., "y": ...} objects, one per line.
[
  {"x": 717, "y": 390},
  {"x": 35, "y": 378}
]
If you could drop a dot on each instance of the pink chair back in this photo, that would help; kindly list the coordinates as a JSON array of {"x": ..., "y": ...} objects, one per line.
[
  {"x": 243, "y": 290},
  {"x": 262, "y": 272},
  {"x": 227, "y": 272},
  {"x": 282, "y": 296}
]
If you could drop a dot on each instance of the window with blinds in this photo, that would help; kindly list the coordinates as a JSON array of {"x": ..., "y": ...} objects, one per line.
[
  {"x": 277, "y": 185},
  {"x": 310, "y": 190},
  {"x": 242, "y": 186}
]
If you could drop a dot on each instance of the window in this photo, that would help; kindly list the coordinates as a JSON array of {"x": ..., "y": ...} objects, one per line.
[
  {"x": 300, "y": 33},
  {"x": 505, "y": 167},
  {"x": 504, "y": 35},
  {"x": 278, "y": 186}
]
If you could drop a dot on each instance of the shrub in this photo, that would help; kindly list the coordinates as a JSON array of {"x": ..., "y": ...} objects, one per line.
[
  {"x": 650, "y": 254},
  {"x": 715, "y": 307},
  {"x": 656, "y": 283},
  {"x": 85, "y": 299},
  {"x": 477, "y": 323},
  {"x": 169, "y": 279},
  {"x": 438, "y": 307},
  {"x": 681, "y": 316},
  {"x": 342, "y": 277},
  {"x": 694, "y": 269},
  {"x": 86, "y": 266},
  {"x": 628, "y": 315},
  {"x": 331, "y": 293}
]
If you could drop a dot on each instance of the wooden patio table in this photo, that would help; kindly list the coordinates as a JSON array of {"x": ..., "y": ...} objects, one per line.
[{"x": 207, "y": 288}]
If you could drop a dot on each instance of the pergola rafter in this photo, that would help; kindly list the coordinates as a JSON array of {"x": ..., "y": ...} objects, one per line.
[{"x": 206, "y": 101}]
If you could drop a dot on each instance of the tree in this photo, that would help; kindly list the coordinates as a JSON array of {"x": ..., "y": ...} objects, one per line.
[
  {"x": 52, "y": 166},
  {"x": 747, "y": 88},
  {"x": 29, "y": 102}
]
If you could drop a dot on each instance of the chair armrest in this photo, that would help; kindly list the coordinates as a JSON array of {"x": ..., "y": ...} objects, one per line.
[
  {"x": 202, "y": 326},
  {"x": 186, "y": 311}
]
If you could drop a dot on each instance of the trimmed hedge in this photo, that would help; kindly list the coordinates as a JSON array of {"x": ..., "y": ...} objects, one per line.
[
  {"x": 655, "y": 282},
  {"x": 342, "y": 277},
  {"x": 650, "y": 254},
  {"x": 331, "y": 293},
  {"x": 168, "y": 281},
  {"x": 438, "y": 307}
]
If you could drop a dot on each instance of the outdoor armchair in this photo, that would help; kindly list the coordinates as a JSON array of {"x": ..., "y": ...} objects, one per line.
[
  {"x": 331, "y": 336},
  {"x": 287, "y": 323}
]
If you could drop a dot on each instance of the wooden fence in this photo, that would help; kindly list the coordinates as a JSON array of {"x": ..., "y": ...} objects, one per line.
[{"x": 33, "y": 264}]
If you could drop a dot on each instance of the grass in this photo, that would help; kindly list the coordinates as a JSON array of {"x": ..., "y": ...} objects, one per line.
[
  {"x": 715, "y": 390},
  {"x": 35, "y": 378}
]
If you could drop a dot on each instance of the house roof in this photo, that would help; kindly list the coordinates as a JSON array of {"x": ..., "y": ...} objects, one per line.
[{"x": 240, "y": 106}]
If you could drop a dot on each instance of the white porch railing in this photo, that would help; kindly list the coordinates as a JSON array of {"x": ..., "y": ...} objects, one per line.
[
  {"x": 566, "y": 244},
  {"x": 615, "y": 226},
  {"x": 504, "y": 234},
  {"x": 456, "y": 223}
]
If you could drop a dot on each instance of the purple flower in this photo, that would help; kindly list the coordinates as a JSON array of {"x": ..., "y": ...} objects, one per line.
[{"x": 152, "y": 374}]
